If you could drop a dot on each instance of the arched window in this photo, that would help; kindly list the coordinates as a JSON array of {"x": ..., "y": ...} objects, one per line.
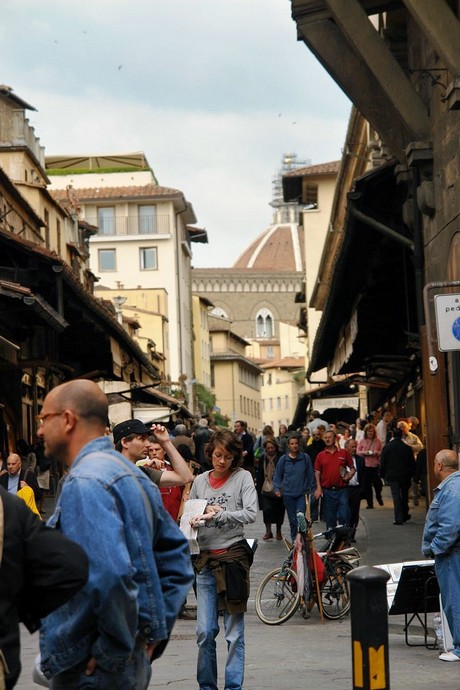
[
  {"x": 217, "y": 311},
  {"x": 265, "y": 325}
]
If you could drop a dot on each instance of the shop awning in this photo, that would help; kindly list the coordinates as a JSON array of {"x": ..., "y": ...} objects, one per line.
[
  {"x": 148, "y": 395},
  {"x": 369, "y": 323}
]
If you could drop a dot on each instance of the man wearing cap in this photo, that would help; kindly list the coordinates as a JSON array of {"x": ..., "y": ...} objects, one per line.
[{"x": 131, "y": 439}]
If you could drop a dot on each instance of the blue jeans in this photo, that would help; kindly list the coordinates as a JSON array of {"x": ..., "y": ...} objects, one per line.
[
  {"x": 336, "y": 507},
  {"x": 294, "y": 505},
  {"x": 135, "y": 676},
  {"x": 207, "y": 629},
  {"x": 448, "y": 573}
]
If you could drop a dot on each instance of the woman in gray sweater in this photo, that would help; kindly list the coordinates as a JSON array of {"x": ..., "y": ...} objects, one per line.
[{"x": 225, "y": 558}]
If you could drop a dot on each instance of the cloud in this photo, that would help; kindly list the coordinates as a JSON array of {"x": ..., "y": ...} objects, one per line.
[{"x": 213, "y": 91}]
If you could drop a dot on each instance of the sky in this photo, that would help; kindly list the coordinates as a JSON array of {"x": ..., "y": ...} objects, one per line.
[{"x": 213, "y": 91}]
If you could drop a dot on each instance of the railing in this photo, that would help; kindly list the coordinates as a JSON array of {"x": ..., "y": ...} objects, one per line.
[{"x": 132, "y": 225}]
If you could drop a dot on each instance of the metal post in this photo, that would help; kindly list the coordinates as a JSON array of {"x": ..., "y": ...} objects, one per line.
[{"x": 369, "y": 628}]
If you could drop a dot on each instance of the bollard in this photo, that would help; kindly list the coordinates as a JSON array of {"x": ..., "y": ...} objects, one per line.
[{"x": 369, "y": 628}]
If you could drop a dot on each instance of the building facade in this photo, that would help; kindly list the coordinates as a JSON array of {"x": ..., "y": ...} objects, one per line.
[
  {"x": 52, "y": 329},
  {"x": 202, "y": 342},
  {"x": 399, "y": 64},
  {"x": 144, "y": 237},
  {"x": 235, "y": 379}
]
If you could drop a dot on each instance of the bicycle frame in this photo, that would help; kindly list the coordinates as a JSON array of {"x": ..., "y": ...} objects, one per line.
[{"x": 293, "y": 586}]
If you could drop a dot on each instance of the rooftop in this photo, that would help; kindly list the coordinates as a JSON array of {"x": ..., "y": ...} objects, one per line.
[
  {"x": 279, "y": 248},
  {"x": 331, "y": 168},
  {"x": 150, "y": 191}
]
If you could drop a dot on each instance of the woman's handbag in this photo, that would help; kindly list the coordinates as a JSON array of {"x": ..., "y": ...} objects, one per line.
[{"x": 267, "y": 487}]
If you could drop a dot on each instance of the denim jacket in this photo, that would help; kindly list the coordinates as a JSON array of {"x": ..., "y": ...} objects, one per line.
[
  {"x": 442, "y": 526},
  {"x": 139, "y": 564},
  {"x": 294, "y": 477}
]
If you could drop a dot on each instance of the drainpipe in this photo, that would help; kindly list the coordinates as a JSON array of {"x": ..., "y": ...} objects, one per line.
[
  {"x": 59, "y": 289},
  {"x": 418, "y": 250},
  {"x": 179, "y": 306}
]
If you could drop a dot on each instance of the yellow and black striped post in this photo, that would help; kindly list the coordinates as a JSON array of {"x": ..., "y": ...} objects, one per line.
[{"x": 369, "y": 628}]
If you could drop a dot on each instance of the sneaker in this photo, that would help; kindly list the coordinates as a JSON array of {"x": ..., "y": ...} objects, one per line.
[
  {"x": 449, "y": 656},
  {"x": 188, "y": 614}
]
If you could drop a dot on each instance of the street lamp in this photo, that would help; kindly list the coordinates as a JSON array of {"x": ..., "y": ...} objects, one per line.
[{"x": 119, "y": 302}]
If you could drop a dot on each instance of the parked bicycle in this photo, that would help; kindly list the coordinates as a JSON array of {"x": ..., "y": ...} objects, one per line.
[{"x": 306, "y": 575}]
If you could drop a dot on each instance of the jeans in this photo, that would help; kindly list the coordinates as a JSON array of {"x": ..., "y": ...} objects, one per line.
[
  {"x": 336, "y": 508},
  {"x": 293, "y": 505},
  {"x": 207, "y": 630},
  {"x": 447, "y": 569},
  {"x": 135, "y": 676}
]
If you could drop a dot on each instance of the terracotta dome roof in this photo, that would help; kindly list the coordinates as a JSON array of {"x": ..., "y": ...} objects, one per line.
[{"x": 279, "y": 248}]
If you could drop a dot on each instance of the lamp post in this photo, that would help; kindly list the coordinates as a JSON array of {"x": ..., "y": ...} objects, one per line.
[{"x": 119, "y": 302}]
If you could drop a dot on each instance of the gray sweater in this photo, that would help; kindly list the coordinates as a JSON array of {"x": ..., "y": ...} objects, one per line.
[{"x": 237, "y": 497}]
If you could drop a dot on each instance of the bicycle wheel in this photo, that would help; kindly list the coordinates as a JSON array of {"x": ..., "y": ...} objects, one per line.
[
  {"x": 278, "y": 596},
  {"x": 335, "y": 593}
]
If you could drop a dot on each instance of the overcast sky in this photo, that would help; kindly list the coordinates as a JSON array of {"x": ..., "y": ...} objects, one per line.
[{"x": 213, "y": 91}]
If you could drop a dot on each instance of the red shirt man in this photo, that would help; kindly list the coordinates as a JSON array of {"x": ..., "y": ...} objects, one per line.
[{"x": 333, "y": 469}]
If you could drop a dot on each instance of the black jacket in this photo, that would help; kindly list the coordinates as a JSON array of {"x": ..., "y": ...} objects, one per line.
[
  {"x": 248, "y": 446},
  {"x": 41, "y": 569},
  {"x": 201, "y": 438},
  {"x": 397, "y": 461},
  {"x": 29, "y": 478},
  {"x": 360, "y": 464}
]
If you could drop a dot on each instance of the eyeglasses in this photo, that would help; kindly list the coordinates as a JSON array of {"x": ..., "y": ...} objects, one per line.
[{"x": 40, "y": 418}]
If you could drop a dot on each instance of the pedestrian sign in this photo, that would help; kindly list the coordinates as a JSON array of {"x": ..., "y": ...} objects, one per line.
[{"x": 447, "y": 310}]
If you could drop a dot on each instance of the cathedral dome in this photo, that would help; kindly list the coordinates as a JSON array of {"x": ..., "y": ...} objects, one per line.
[{"x": 279, "y": 248}]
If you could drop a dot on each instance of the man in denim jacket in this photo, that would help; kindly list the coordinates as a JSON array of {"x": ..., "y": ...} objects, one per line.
[
  {"x": 441, "y": 541},
  {"x": 139, "y": 564}
]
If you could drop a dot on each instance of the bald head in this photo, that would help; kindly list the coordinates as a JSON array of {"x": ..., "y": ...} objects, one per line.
[
  {"x": 448, "y": 459},
  {"x": 83, "y": 397},
  {"x": 73, "y": 414},
  {"x": 404, "y": 426},
  {"x": 13, "y": 464}
]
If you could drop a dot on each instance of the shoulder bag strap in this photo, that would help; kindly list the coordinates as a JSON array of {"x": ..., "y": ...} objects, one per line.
[{"x": 120, "y": 463}]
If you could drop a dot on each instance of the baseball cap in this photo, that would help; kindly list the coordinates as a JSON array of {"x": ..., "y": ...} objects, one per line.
[{"x": 131, "y": 426}]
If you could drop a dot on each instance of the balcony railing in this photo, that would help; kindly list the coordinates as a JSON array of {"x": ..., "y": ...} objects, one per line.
[{"x": 131, "y": 225}]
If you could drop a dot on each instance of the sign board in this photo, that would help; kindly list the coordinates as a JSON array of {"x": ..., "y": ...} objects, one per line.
[
  {"x": 395, "y": 571},
  {"x": 322, "y": 404},
  {"x": 447, "y": 310}
]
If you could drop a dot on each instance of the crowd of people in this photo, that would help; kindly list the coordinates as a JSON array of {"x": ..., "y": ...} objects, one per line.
[
  {"x": 118, "y": 505},
  {"x": 338, "y": 466}
]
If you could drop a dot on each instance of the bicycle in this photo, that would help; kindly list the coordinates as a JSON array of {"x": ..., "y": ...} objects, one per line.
[{"x": 307, "y": 578}]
